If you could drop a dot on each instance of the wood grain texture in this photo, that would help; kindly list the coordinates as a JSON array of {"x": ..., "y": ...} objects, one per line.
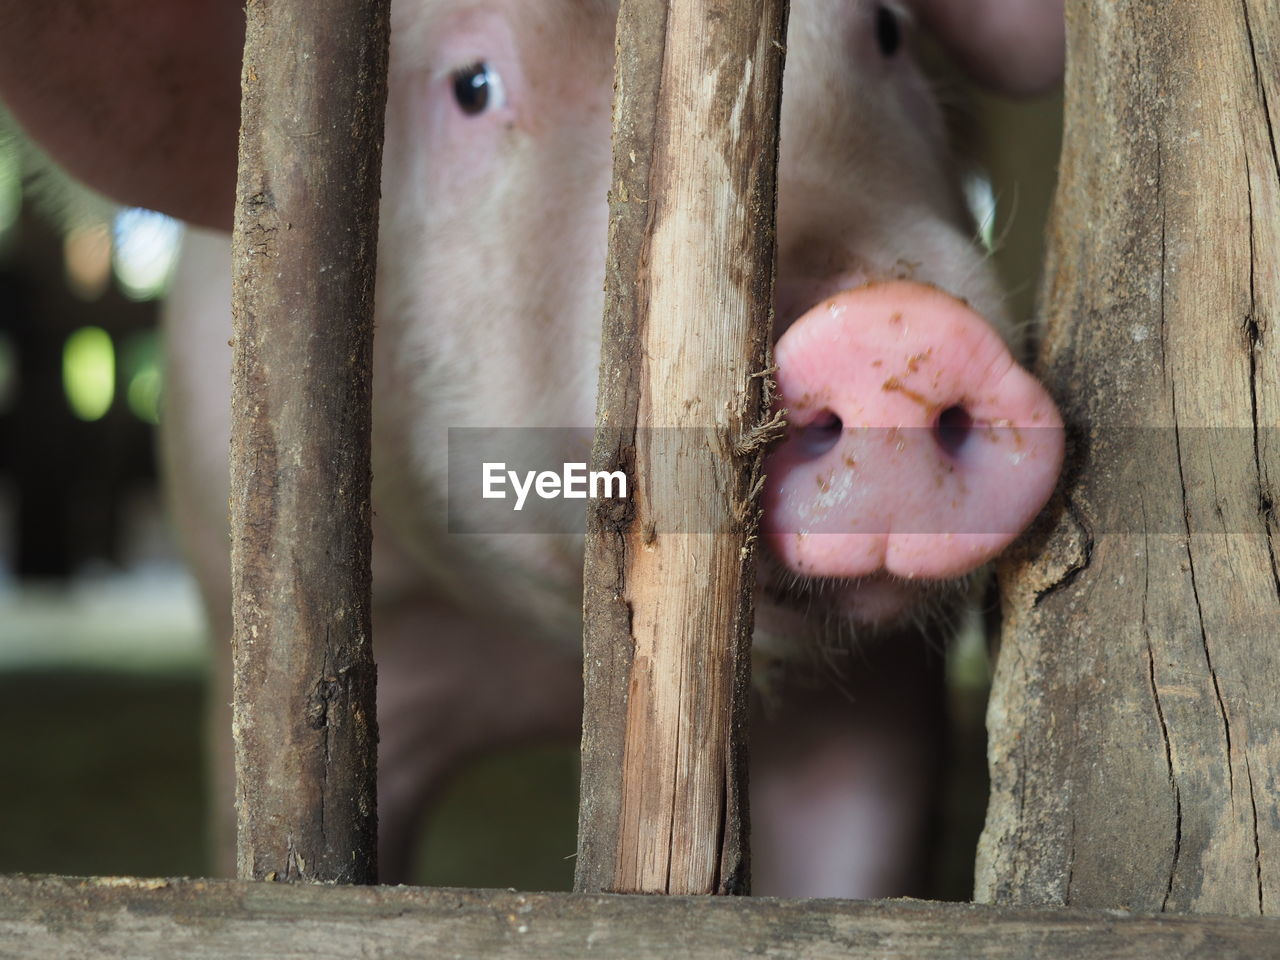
[
  {"x": 683, "y": 396},
  {"x": 69, "y": 919},
  {"x": 1135, "y": 720},
  {"x": 303, "y": 258}
]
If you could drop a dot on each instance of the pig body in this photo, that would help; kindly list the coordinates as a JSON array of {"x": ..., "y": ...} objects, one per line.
[{"x": 489, "y": 297}]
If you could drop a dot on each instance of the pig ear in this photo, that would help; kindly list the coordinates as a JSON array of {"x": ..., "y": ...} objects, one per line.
[
  {"x": 139, "y": 99},
  {"x": 1016, "y": 46}
]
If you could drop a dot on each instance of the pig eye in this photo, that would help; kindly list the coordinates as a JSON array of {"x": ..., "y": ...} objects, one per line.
[
  {"x": 888, "y": 31},
  {"x": 477, "y": 88}
]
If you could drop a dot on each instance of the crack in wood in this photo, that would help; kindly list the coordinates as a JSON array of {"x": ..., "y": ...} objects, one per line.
[
  {"x": 1262, "y": 89},
  {"x": 1257, "y": 846},
  {"x": 1173, "y": 779}
]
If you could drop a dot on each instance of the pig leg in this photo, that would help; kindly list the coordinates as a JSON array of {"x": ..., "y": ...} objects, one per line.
[
  {"x": 844, "y": 772},
  {"x": 451, "y": 688}
]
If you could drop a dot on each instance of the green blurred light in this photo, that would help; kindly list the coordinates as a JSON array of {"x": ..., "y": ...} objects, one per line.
[
  {"x": 138, "y": 351},
  {"x": 89, "y": 372},
  {"x": 10, "y": 184},
  {"x": 140, "y": 368},
  {"x": 143, "y": 395}
]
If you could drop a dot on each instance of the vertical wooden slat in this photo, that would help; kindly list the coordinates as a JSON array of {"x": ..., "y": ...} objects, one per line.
[
  {"x": 682, "y": 409},
  {"x": 314, "y": 91},
  {"x": 1135, "y": 719}
]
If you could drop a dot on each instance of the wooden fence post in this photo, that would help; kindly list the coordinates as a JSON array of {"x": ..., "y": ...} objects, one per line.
[
  {"x": 1135, "y": 720},
  {"x": 306, "y": 226},
  {"x": 682, "y": 411}
]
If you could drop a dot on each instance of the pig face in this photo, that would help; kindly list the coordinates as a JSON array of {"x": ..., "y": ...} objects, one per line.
[
  {"x": 496, "y": 169},
  {"x": 497, "y": 165},
  {"x": 493, "y": 235}
]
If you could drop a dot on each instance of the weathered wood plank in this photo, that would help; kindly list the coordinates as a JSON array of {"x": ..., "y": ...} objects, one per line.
[
  {"x": 70, "y": 919},
  {"x": 304, "y": 248},
  {"x": 1135, "y": 720},
  {"x": 669, "y": 572}
]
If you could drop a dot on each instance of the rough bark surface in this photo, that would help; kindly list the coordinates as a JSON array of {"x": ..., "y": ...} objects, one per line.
[
  {"x": 304, "y": 248},
  {"x": 683, "y": 399},
  {"x": 65, "y": 918},
  {"x": 1135, "y": 720}
]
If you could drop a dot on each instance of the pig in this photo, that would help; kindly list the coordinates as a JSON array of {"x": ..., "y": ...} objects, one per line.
[{"x": 491, "y": 256}]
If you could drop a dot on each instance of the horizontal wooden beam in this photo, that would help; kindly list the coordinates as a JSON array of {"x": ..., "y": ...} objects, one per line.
[{"x": 223, "y": 919}]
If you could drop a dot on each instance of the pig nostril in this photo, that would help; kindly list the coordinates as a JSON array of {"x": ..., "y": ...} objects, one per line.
[
  {"x": 820, "y": 435},
  {"x": 952, "y": 429}
]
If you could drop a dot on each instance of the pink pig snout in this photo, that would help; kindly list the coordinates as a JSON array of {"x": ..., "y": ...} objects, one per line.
[{"x": 917, "y": 446}]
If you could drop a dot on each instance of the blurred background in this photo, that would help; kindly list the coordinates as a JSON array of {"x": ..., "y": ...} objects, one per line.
[{"x": 102, "y": 647}]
